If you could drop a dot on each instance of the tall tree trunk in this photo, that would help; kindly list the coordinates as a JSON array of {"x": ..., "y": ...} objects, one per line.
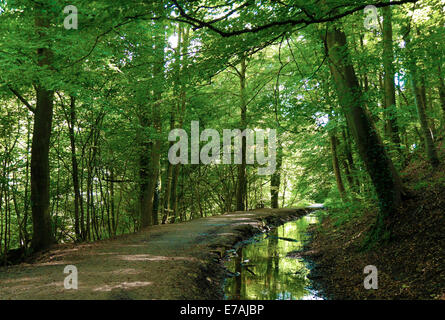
[
  {"x": 89, "y": 200},
  {"x": 144, "y": 169},
  {"x": 242, "y": 179},
  {"x": 349, "y": 162},
  {"x": 174, "y": 192},
  {"x": 389, "y": 87},
  {"x": 156, "y": 201},
  {"x": 420, "y": 95},
  {"x": 40, "y": 176},
  {"x": 147, "y": 211},
  {"x": 275, "y": 180},
  {"x": 27, "y": 171},
  {"x": 418, "y": 85},
  {"x": 335, "y": 165},
  {"x": 170, "y": 195},
  {"x": 384, "y": 176},
  {"x": 167, "y": 192},
  {"x": 441, "y": 92},
  {"x": 112, "y": 204},
  {"x": 165, "y": 205},
  {"x": 75, "y": 174},
  {"x": 177, "y": 167},
  {"x": 348, "y": 174}
]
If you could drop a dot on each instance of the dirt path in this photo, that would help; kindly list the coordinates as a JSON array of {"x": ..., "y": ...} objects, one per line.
[{"x": 175, "y": 261}]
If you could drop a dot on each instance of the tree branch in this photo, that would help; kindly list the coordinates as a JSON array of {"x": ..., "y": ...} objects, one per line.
[
  {"x": 22, "y": 99},
  {"x": 198, "y": 24}
]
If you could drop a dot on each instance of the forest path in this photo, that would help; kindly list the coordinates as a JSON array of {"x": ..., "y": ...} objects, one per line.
[{"x": 173, "y": 261}]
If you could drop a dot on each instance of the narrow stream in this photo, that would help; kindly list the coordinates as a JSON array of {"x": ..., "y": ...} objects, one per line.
[{"x": 261, "y": 270}]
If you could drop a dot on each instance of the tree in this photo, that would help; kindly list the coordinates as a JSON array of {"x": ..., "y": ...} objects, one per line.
[
  {"x": 42, "y": 230},
  {"x": 242, "y": 180},
  {"x": 385, "y": 178},
  {"x": 418, "y": 85},
  {"x": 391, "y": 126}
]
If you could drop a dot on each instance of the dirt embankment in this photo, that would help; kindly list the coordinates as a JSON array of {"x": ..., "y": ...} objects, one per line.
[
  {"x": 411, "y": 266},
  {"x": 175, "y": 261}
]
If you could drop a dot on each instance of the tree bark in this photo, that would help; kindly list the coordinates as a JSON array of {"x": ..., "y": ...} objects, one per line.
[
  {"x": 378, "y": 164},
  {"x": 75, "y": 174},
  {"x": 418, "y": 85},
  {"x": 242, "y": 179},
  {"x": 441, "y": 92},
  {"x": 174, "y": 193},
  {"x": 151, "y": 169},
  {"x": 336, "y": 167},
  {"x": 40, "y": 175},
  {"x": 275, "y": 180},
  {"x": 349, "y": 162},
  {"x": 391, "y": 127},
  {"x": 170, "y": 198}
]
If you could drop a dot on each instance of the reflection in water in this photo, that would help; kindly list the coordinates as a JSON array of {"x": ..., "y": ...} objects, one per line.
[{"x": 261, "y": 270}]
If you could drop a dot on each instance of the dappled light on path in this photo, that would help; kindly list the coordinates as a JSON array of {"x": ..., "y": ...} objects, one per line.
[
  {"x": 148, "y": 257},
  {"x": 172, "y": 261},
  {"x": 123, "y": 285}
]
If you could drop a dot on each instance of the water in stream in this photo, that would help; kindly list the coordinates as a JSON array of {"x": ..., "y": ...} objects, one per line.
[{"x": 261, "y": 270}]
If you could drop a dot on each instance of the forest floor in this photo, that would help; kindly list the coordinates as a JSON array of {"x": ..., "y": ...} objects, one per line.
[
  {"x": 410, "y": 266},
  {"x": 173, "y": 261}
]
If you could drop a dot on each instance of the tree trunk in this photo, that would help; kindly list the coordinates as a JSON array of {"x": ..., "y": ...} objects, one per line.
[
  {"x": 441, "y": 92},
  {"x": 113, "y": 209},
  {"x": 153, "y": 170},
  {"x": 169, "y": 201},
  {"x": 349, "y": 162},
  {"x": 384, "y": 177},
  {"x": 336, "y": 167},
  {"x": 418, "y": 85},
  {"x": 391, "y": 127},
  {"x": 167, "y": 192},
  {"x": 275, "y": 180},
  {"x": 75, "y": 174},
  {"x": 165, "y": 205},
  {"x": 420, "y": 95},
  {"x": 174, "y": 193},
  {"x": 144, "y": 169},
  {"x": 40, "y": 176},
  {"x": 242, "y": 179}
]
